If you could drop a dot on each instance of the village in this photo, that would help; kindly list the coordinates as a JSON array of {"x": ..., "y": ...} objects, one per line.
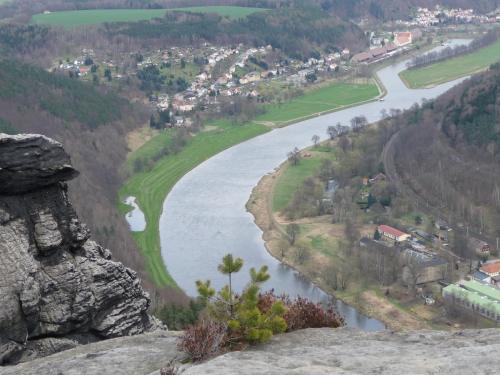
[
  {"x": 431, "y": 266},
  {"x": 185, "y": 80},
  {"x": 202, "y": 75},
  {"x": 425, "y": 17}
]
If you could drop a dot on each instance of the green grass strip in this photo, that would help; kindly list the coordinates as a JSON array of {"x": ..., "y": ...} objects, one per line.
[
  {"x": 453, "y": 68},
  {"x": 150, "y": 188}
]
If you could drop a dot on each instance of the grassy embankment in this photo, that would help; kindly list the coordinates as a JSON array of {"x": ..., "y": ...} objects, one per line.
[
  {"x": 151, "y": 187},
  {"x": 74, "y": 18},
  {"x": 453, "y": 68},
  {"x": 318, "y": 101}
]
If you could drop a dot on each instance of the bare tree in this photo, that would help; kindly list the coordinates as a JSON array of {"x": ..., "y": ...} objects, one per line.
[
  {"x": 294, "y": 156},
  {"x": 344, "y": 143},
  {"x": 292, "y": 230},
  {"x": 332, "y": 132},
  {"x": 315, "y": 140},
  {"x": 330, "y": 276},
  {"x": 412, "y": 271},
  {"x": 303, "y": 254}
]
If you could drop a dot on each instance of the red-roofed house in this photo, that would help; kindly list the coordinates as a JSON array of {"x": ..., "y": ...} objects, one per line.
[
  {"x": 491, "y": 269},
  {"x": 402, "y": 39},
  {"x": 393, "y": 233}
]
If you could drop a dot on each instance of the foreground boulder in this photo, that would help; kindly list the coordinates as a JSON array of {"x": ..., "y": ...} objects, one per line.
[
  {"x": 57, "y": 287},
  {"x": 348, "y": 351},
  {"x": 309, "y": 352}
]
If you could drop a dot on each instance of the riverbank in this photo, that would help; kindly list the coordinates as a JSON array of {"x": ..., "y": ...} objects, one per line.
[
  {"x": 367, "y": 301},
  {"x": 450, "y": 69},
  {"x": 150, "y": 187}
]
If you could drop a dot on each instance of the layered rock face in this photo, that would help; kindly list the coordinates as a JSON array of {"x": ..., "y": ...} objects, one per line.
[{"x": 57, "y": 287}]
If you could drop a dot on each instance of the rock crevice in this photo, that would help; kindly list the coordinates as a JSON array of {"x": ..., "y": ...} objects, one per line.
[{"x": 57, "y": 286}]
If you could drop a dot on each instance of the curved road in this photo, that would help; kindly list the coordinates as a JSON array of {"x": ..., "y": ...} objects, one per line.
[{"x": 204, "y": 216}]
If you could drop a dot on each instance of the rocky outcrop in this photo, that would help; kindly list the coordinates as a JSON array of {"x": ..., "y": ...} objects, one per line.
[
  {"x": 309, "y": 352},
  {"x": 57, "y": 287}
]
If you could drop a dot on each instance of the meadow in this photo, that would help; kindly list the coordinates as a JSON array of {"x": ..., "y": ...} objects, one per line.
[
  {"x": 453, "y": 68},
  {"x": 327, "y": 98},
  {"x": 291, "y": 179},
  {"x": 73, "y": 18}
]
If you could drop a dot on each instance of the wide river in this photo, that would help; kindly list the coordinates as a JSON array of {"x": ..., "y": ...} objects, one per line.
[{"x": 204, "y": 216}]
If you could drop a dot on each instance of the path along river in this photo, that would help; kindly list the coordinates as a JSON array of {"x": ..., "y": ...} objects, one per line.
[{"x": 204, "y": 216}]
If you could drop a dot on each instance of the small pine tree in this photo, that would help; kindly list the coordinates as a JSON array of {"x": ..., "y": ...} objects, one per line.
[
  {"x": 240, "y": 313},
  {"x": 229, "y": 266},
  {"x": 376, "y": 235}
]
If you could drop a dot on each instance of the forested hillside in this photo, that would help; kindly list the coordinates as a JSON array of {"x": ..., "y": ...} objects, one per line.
[
  {"x": 296, "y": 31},
  {"x": 346, "y": 9},
  {"x": 91, "y": 123},
  {"x": 451, "y": 155}
]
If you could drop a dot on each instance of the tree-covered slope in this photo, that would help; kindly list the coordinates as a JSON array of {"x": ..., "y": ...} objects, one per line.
[
  {"x": 449, "y": 154},
  {"x": 92, "y": 123},
  {"x": 64, "y": 98}
]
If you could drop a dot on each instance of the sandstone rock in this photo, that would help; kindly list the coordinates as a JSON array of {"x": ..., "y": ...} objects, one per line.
[
  {"x": 57, "y": 287},
  {"x": 134, "y": 355},
  {"x": 347, "y": 351},
  {"x": 30, "y": 161},
  {"x": 307, "y": 352}
]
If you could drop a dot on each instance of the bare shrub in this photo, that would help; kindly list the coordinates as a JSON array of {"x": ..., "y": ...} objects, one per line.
[
  {"x": 171, "y": 368},
  {"x": 203, "y": 340},
  {"x": 302, "y": 313}
]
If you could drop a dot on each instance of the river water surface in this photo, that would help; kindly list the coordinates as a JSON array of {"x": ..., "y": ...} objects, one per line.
[{"x": 204, "y": 216}]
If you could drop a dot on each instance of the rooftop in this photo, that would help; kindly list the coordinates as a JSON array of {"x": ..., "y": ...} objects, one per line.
[
  {"x": 477, "y": 293},
  {"x": 491, "y": 267},
  {"x": 390, "y": 230}
]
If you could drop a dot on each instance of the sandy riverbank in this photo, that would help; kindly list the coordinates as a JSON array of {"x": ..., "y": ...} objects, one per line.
[{"x": 367, "y": 302}]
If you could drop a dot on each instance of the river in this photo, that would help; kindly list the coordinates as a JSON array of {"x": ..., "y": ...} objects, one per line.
[{"x": 204, "y": 216}]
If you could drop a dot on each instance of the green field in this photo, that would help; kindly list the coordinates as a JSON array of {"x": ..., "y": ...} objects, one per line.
[
  {"x": 151, "y": 188},
  {"x": 290, "y": 180},
  {"x": 323, "y": 99},
  {"x": 451, "y": 69},
  {"x": 74, "y": 18}
]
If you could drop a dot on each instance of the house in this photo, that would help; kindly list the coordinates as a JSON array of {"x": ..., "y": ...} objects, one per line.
[
  {"x": 424, "y": 268},
  {"x": 182, "y": 106},
  {"x": 250, "y": 77},
  {"x": 346, "y": 52},
  {"x": 491, "y": 269},
  {"x": 378, "y": 52},
  {"x": 442, "y": 225},
  {"x": 392, "y": 233},
  {"x": 424, "y": 235},
  {"x": 480, "y": 247},
  {"x": 83, "y": 70},
  {"x": 481, "y": 277},
  {"x": 378, "y": 177},
  {"x": 402, "y": 39},
  {"x": 480, "y": 298},
  {"x": 362, "y": 57},
  {"x": 390, "y": 47}
]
